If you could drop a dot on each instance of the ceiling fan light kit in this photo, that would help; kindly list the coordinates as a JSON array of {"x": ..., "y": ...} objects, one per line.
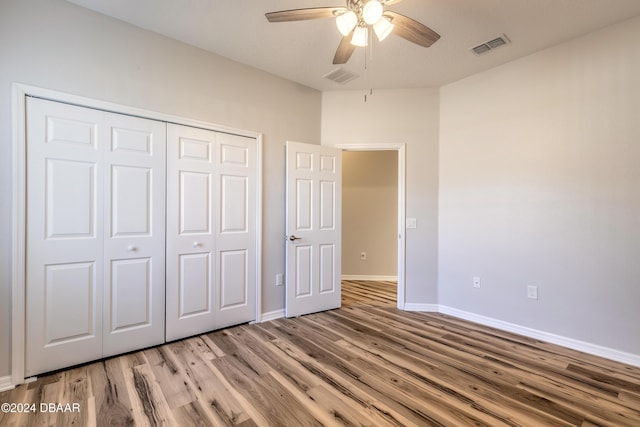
[
  {"x": 383, "y": 27},
  {"x": 355, "y": 20},
  {"x": 360, "y": 36},
  {"x": 346, "y": 22},
  {"x": 372, "y": 12}
]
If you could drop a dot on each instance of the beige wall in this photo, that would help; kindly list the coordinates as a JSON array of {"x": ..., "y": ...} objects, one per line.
[
  {"x": 57, "y": 45},
  {"x": 370, "y": 213},
  {"x": 408, "y": 116},
  {"x": 540, "y": 185}
]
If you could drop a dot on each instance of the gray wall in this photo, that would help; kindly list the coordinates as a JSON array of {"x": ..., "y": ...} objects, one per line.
[
  {"x": 540, "y": 185},
  {"x": 370, "y": 213},
  {"x": 407, "y": 116},
  {"x": 57, "y": 45}
]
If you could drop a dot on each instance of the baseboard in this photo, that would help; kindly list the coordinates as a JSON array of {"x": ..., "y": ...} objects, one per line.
[
  {"x": 370, "y": 277},
  {"x": 597, "y": 350},
  {"x": 272, "y": 315},
  {"x": 6, "y": 384},
  {"x": 430, "y": 308}
]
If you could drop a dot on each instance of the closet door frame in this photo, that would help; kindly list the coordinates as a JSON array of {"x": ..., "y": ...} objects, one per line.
[{"x": 20, "y": 92}]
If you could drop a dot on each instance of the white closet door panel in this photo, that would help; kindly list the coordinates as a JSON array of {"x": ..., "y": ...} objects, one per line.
[
  {"x": 191, "y": 195},
  {"x": 69, "y": 295},
  {"x": 194, "y": 285},
  {"x": 135, "y": 234},
  {"x": 131, "y": 208},
  {"x": 233, "y": 279},
  {"x": 131, "y": 292},
  {"x": 194, "y": 204},
  {"x": 234, "y": 207},
  {"x": 64, "y": 248},
  {"x": 236, "y": 230},
  {"x": 70, "y": 192}
]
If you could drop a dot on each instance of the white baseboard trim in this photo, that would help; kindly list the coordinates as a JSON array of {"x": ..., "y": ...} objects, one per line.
[
  {"x": 430, "y": 308},
  {"x": 597, "y": 350},
  {"x": 370, "y": 277},
  {"x": 272, "y": 315},
  {"x": 6, "y": 384}
]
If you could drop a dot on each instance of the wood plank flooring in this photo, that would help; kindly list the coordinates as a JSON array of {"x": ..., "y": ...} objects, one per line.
[{"x": 364, "y": 364}]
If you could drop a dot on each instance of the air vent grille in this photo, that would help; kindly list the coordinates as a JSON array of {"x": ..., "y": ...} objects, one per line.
[
  {"x": 490, "y": 45},
  {"x": 341, "y": 76}
]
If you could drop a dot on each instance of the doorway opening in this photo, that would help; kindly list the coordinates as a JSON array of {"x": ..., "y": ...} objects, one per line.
[{"x": 373, "y": 242}]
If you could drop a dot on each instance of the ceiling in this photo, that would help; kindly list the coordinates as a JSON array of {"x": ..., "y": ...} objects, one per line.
[{"x": 303, "y": 51}]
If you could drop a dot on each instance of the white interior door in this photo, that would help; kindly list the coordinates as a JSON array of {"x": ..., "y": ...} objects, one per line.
[
  {"x": 191, "y": 176},
  {"x": 65, "y": 239},
  {"x": 314, "y": 206},
  {"x": 134, "y": 256}
]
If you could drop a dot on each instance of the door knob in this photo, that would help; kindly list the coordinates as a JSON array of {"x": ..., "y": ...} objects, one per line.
[
  {"x": 294, "y": 238},
  {"x": 196, "y": 244},
  {"x": 132, "y": 248}
]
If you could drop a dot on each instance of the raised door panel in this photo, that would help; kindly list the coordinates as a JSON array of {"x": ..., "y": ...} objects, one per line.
[
  {"x": 194, "y": 285},
  {"x": 131, "y": 294},
  {"x": 191, "y": 203},
  {"x": 134, "y": 259},
  {"x": 70, "y": 199},
  {"x": 69, "y": 307},
  {"x": 131, "y": 210},
  {"x": 194, "y": 203},
  {"x": 64, "y": 226},
  {"x": 304, "y": 271},
  {"x": 233, "y": 279},
  {"x": 234, "y": 204}
]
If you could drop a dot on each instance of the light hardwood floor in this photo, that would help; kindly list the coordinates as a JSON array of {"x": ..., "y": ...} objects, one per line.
[{"x": 364, "y": 364}]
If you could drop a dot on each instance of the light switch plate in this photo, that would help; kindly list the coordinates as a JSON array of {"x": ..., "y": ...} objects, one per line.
[{"x": 412, "y": 223}]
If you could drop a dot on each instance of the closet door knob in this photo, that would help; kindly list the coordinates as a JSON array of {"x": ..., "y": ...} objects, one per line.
[
  {"x": 196, "y": 244},
  {"x": 132, "y": 248}
]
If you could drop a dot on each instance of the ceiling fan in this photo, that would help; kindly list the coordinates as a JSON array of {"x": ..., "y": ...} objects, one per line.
[{"x": 355, "y": 20}]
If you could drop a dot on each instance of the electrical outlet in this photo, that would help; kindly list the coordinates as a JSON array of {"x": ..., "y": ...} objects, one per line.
[
  {"x": 279, "y": 279},
  {"x": 363, "y": 256},
  {"x": 532, "y": 292},
  {"x": 476, "y": 282}
]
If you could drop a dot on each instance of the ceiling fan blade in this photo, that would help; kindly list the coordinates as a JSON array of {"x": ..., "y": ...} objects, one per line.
[
  {"x": 344, "y": 51},
  {"x": 302, "y": 14},
  {"x": 412, "y": 30},
  {"x": 390, "y": 2}
]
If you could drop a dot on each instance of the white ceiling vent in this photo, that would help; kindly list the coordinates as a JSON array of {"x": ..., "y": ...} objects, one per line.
[
  {"x": 490, "y": 45},
  {"x": 341, "y": 76}
]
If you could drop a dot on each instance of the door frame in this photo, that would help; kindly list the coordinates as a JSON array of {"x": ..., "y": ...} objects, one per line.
[
  {"x": 401, "y": 149},
  {"x": 19, "y": 93}
]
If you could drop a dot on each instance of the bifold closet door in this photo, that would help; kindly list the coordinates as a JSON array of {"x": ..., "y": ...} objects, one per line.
[
  {"x": 95, "y": 227},
  {"x": 135, "y": 189},
  {"x": 236, "y": 241},
  {"x": 211, "y": 230},
  {"x": 191, "y": 195},
  {"x": 65, "y": 237}
]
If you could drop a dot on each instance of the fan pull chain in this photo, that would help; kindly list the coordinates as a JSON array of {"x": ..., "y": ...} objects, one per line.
[{"x": 369, "y": 69}]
